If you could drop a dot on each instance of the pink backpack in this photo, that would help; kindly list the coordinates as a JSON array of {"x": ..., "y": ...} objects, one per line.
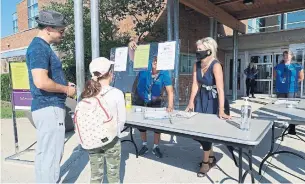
[{"x": 94, "y": 123}]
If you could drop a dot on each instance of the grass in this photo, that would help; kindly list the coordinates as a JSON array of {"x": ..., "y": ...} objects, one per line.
[{"x": 6, "y": 111}]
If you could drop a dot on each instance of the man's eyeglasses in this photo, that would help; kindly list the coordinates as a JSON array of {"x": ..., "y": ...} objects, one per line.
[{"x": 59, "y": 30}]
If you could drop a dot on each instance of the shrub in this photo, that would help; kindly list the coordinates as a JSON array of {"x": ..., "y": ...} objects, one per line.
[{"x": 5, "y": 87}]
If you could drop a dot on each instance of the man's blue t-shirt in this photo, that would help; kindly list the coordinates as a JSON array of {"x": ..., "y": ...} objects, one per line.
[
  {"x": 40, "y": 56},
  {"x": 146, "y": 80},
  {"x": 287, "y": 77}
]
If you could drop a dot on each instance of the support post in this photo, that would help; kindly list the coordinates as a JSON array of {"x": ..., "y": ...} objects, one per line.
[
  {"x": 169, "y": 21},
  {"x": 215, "y": 30},
  {"x": 271, "y": 85},
  {"x": 211, "y": 27},
  {"x": 282, "y": 21},
  {"x": 79, "y": 46},
  {"x": 95, "y": 33},
  {"x": 176, "y": 38},
  {"x": 303, "y": 82},
  {"x": 235, "y": 60}
]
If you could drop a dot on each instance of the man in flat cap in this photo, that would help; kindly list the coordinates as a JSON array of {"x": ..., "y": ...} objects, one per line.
[{"x": 49, "y": 90}]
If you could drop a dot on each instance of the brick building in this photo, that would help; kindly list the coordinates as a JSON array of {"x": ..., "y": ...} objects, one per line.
[
  {"x": 265, "y": 38},
  {"x": 13, "y": 47}
]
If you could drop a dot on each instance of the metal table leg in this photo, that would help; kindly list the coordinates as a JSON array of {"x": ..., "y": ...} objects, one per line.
[
  {"x": 231, "y": 150},
  {"x": 271, "y": 153},
  {"x": 240, "y": 164},
  {"x": 250, "y": 170},
  {"x": 271, "y": 149},
  {"x": 131, "y": 140},
  {"x": 284, "y": 133}
]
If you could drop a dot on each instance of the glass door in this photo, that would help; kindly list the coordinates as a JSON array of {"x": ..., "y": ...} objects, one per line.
[
  {"x": 229, "y": 75},
  {"x": 264, "y": 80}
]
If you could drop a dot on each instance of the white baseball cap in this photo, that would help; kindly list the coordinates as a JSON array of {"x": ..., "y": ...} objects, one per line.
[{"x": 101, "y": 65}]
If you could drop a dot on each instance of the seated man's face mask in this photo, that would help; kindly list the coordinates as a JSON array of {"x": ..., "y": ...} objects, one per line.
[{"x": 203, "y": 54}]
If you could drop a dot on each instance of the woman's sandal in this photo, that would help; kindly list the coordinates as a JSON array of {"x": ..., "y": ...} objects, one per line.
[
  {"x": 203, "y": 174},
  {"x": 211, "y": 164}
]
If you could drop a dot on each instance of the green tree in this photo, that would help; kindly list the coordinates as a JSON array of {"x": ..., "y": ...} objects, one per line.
[
  {"x": 144, "y": 13},
  {"x": 5, "y": 87},
  {"x": 109, "y": 36}
]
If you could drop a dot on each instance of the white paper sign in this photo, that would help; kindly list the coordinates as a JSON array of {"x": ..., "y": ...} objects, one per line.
[
  {"x": 166, "y": 56},
  {"x": 120, "y": 59}
]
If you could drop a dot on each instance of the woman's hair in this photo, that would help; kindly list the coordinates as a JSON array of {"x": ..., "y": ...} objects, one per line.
[
  {"x": 209, "y": 43},
  {"x": 92, "y": 87}
]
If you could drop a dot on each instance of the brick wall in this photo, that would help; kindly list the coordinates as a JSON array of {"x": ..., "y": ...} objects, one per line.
[
  {"x": 224, "y": 30},
  {"x": 22, "y": 15},
  {"x": 19, "y": 40},
  {"x": 24, "y": 36},
  {"x": 193, "y": 26}
]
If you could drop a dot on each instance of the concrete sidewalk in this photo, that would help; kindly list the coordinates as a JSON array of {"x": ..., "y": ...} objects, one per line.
[{"x": 179, "y": 164}]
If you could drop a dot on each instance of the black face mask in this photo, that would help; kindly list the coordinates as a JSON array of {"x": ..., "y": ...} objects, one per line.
[{"x": 203, "y": 54}]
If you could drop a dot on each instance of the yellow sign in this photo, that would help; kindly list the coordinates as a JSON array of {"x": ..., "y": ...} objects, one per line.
[
  {"x": 128, "y": 100},
  {"x": 141, "y": 57},
  {"x": 20, "y": 76}
]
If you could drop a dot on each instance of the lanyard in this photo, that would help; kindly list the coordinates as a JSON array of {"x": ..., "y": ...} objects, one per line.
[{"x": 153, "y": 82}]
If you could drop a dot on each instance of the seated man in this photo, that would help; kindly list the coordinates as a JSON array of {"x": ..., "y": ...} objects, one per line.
[{"x": 149, "y": 85}]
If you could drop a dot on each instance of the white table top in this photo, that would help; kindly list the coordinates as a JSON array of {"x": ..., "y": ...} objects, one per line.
[
  {"x": 206, "y": 126},
  {"x": 279, "y": 112}
]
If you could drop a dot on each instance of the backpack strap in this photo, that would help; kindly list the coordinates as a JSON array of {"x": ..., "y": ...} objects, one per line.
[{"x": 106, "y": 113}]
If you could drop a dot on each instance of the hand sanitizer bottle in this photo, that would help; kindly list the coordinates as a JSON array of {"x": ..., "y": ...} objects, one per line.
[{"x": 245, "y": 115}]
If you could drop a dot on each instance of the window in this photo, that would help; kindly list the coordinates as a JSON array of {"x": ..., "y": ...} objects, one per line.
[
  {"x": 15, "y": 23},
  {"x": 292, "y": 20},
  {"x": 295, "y": 19},
  {"x": 186, "y": 63},
  {"x": 264, "y": 24},
  {"x": 32, "y": 13}
]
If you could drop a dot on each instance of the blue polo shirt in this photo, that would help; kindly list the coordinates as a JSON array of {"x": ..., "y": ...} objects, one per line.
[
  {"x": 287, "y": 77},
  {"x": 145, "y": 80},
  {"x": 41, "y": 56}
]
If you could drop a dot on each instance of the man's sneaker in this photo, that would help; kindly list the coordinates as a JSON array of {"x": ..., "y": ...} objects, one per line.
[
  {"x": 143, "y": 150},
  {"x": 156, "y": 151}
]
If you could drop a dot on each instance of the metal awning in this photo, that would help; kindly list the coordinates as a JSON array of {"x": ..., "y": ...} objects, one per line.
[{"x": 230, "y": 12}]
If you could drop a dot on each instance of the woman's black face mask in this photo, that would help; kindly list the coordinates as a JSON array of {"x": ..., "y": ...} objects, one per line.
[{"x": 203, "y": 54}]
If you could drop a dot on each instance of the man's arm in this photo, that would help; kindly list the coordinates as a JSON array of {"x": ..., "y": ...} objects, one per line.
[
  {"x": 42, "y": 81},
  {"x": 39, "y": 60},
  {"x": 170, "y": 96},
  {"x": 274, "y": 72},
  {"x": 301, "y": 75}
]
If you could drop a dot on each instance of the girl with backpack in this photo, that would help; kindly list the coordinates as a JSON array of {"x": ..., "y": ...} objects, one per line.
[{"x": 99, "y": 118}]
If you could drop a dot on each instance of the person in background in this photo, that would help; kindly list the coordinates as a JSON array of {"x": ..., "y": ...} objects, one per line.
[
  {"x": 287, "y": 77},
  {"x": 101, "y": 70},
  {"x": 251, "y": 73},
  {"x": 149, "y": 86},
  {"x": 49, "y": 90},
  {"x": 207, "y": 94}
]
